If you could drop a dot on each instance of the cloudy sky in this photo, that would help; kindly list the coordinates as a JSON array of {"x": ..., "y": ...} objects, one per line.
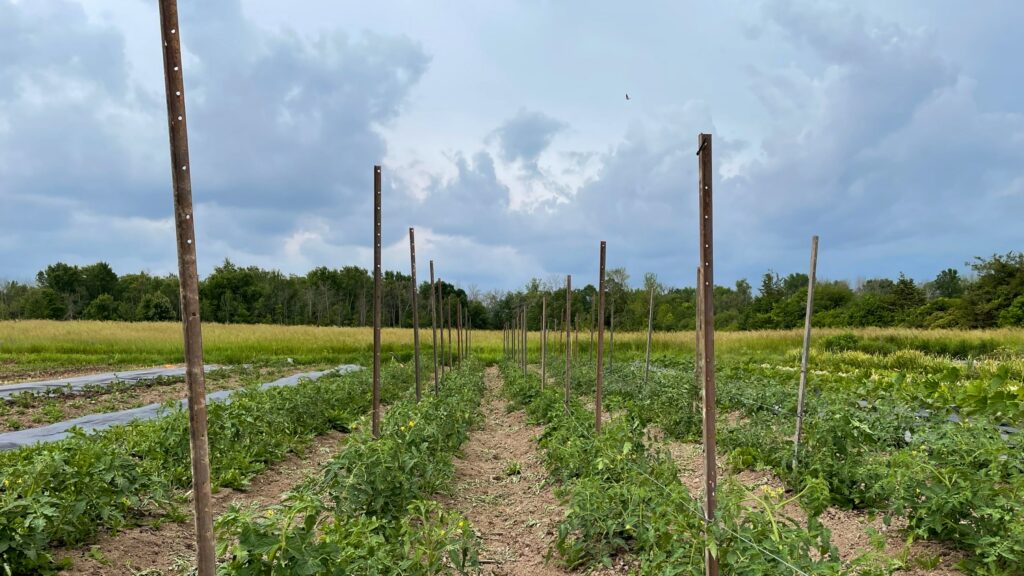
[{"x": 894, "y": 130}]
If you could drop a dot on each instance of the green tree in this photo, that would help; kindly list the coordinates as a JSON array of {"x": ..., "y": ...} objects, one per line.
[
  {"x": 155, "y": 308},
  {"x": 96, "y": 279},
  {"x": 1014, "y": 314},
  {"x": 45, "y": 304},
  {"x": 1000, "y": 281},
  {"x": 103, "y": 307},
  {"x": 65, "y": 280},
  {"x": 947, "y": 284},
  {"x": 906, "y": 298}
]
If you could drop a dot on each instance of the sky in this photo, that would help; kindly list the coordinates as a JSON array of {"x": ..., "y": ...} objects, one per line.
[{"x": 893, "y": 130}]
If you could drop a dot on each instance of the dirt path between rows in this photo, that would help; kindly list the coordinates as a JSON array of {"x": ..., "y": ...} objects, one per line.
[
  {"x": 499, "y": 486},
  {"x": 170, "y": 548}
]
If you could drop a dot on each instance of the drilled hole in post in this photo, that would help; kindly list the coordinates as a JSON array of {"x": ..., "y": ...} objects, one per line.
[
  {"x": 189, "y": 241},
  {"x": 184, "y": 168},
  {"x": 178, "y": 93}
]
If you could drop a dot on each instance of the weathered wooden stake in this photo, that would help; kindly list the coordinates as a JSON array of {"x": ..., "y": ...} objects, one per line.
[
  {"x": 451, "y": 361},
  {"x": 807, "y": 344},
  {"x": 415, "y": 314},
  {"x": 188, "y": 288},
  {"x": 433, "y": 322},
  {"x": 376, "y": 301},
  {"x": 650, "y": 332},
  {"x": 568, "y": 359},
  {"x": 543, "y": 341},
  {"x": 599, "y": 386},
  {"x": 706, "y": 291}
]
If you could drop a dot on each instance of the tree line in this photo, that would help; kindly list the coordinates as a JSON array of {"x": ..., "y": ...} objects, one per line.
[{"x": 992, "y": 296}]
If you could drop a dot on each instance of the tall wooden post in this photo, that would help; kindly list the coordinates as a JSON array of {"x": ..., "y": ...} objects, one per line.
[
  {"x": 568, "y": 358},
  {"x": 376, "y": 301},
  {"x": 188, "y": 288},
  {"x": 415, "y": 314},
  {"x": 433, "y": 322},
  {"x": 543, "y": 341},
  {"x": 706, "y": 292},
  {"x": 806, "y": 350},
  {"x": 650, "y": 331},
  {"x": 599, "y": 386}
]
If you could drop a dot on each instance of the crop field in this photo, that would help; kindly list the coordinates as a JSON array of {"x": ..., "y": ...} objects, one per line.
[{"x": 910, "y": 461}]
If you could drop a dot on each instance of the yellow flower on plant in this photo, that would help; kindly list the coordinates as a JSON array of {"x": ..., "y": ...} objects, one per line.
[
  {"x": 270, "y": 514},
  {"x": 462, "y": 524},
  {"x": 412, "y": 423}
]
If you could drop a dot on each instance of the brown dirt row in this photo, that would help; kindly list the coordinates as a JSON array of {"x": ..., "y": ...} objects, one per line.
[
  {"x": 500, "y": 487},
  {"x": 170, "y": 547}
]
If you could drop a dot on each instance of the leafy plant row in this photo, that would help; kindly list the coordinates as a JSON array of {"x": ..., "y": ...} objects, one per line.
[
  {"x": 369, "y": 513},
  {"x": 957, "y": 481},
  {"x": 882, "y": 439},
  {"x": 625, "y": 499},
  {"x": 65, "y": 492}
]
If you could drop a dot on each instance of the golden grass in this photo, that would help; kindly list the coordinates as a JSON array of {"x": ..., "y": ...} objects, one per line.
[{"x": 57, "y": 344}]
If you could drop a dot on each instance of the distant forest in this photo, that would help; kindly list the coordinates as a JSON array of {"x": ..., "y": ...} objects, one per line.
[{"x": 992, "y": 296}]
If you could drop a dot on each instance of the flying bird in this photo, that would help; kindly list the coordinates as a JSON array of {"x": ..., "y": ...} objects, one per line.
[{"x": 627, "y": 95}]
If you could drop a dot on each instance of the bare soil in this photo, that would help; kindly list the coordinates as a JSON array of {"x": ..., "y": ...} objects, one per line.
[
  {"x": 500, "y": 487},
  {"x": 170, "y": 547}
]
